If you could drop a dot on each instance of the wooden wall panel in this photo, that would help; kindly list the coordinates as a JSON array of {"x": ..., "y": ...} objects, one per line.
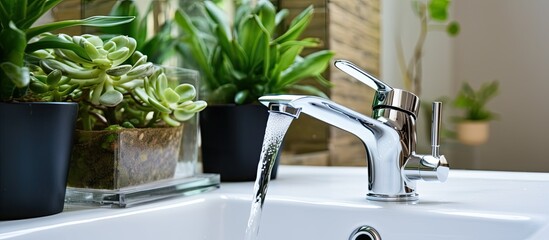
[{"x": 350, "y": 28}]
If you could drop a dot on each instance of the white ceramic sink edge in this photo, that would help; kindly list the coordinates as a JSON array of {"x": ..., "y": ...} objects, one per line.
[{"x": 322, "y": 203}]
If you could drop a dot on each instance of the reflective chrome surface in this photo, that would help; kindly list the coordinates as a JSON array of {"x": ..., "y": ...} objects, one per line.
[
  {"x": 389, "y": 136},
  {"x": 285, "y": 109},
  {"x": 379, "y": 139},
  {"x": 361, "y": 75},
  {"x": 365, "y": 232},
  {"x": 397, "y": 99}
]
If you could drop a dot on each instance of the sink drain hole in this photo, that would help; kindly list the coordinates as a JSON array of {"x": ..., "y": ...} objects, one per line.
[{"x": 365, "y": 233}]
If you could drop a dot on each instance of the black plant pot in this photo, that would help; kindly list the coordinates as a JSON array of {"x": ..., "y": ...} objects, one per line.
[
  {"x": 35, "y": 147},
  {"x": 232, "y": 136}
]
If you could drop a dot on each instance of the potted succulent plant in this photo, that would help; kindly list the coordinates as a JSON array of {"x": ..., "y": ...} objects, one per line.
[
  {"x": 241, "y": 62},
  {"x": 473, "y": 127},
  {"x": 35, "y": 134},
  {"x": 129, "y": 124}
]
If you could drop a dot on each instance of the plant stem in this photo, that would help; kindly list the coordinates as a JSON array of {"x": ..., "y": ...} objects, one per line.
[
  {"x": 85, "y": 117},
  {"x": 415, "y": 70}
]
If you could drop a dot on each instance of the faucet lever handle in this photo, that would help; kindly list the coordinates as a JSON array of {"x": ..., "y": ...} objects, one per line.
[
  {"x": 361, "y": 75},
  {"x": 435, "y": 129}
]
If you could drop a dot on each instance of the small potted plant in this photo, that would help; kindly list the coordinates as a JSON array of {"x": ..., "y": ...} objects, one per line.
[
  {"x": 129, "y": 124},
  {"x": 241, "y": 62},
  {"x": 473, "y": 127},
  {"x": 35, "y": 134}
]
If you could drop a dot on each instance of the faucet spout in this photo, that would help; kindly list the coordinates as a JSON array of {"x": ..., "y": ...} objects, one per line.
[{"x": 382, "y": 143}]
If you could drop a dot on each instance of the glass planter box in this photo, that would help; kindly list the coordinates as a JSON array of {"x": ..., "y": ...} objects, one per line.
[
  {"x": 123, "y": 158},
  {"x": 135, "y": 166}
]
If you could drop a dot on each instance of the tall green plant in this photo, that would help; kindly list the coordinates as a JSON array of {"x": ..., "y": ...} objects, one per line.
[
  {"x": 160, "y": 46},
  {"x": 433, "y": 16},
  {"x": 16, "y": 20},
  {"x": 248, "y": 59}
]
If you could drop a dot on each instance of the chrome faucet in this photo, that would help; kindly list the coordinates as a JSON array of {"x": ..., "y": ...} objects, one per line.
[{"x": 389, "y": 136}]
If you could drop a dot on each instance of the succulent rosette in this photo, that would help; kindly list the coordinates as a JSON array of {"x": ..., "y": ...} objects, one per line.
[{"x": 115, "y": 84}]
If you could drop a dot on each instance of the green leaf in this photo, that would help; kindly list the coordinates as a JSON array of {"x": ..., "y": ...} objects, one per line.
[
  {"x": 223, "y": 94},
  {"x": 260, "y": 51},
  {"x": 69, "y": 71},
  {"x": 19, "y": 76},
  {"x": 192, "y": 107},
  {"x": 267, "y": 14},
  {"x": 240, "y": 54},
  {"x": 487, "y": 91},
  {"x": 119, "y": 70},
  {"x": 54, "y": 77},
  {"x": 59, "y": 43},
  {"x": 288, "y": 57},
  {"x": 307, "y": 42},
  {"x": 280, "y": 16},
  {"x": 158, "y": 106},
  {"x": 297, "y": 26},
  {"x": 12, "y": 45},
  {"x": 199, "y": 51},
  {"x": 38, "y": 87},
  {"x": 291, "y": 50},
  {"x": 141, "y": 94},
  {"x": 219, "y": 18},
  {"x": 453, "y": 28},
  {"x": 312, "y": 65},
  {"x": 126, "y": 8},
  {"x": 171, "y": 96},
  {"x": 248, "y": 35},
  {"x": 28, "y": 11},
  {"x": 438, "y": 9},
  {"x": 186, "y": 92},
  {"x": 168, "y": 120},
  {"x": 95, "y": 21},
  {"x": 182, "y": 115},
  {"x": 111, "y": 98},
  {"x": 225, "y": 44}
]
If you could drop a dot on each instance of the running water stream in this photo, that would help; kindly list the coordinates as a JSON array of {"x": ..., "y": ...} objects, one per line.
[{"x": 277, "y": 125}]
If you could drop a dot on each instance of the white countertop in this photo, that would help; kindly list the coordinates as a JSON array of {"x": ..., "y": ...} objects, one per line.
[{"x": 479, "y": 194}]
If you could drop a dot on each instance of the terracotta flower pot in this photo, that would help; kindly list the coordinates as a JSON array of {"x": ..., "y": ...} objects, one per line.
[{"x": 473, "y": 132}]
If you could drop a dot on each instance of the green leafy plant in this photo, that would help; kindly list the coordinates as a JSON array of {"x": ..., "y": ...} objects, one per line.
[
  {"x": 473, "y": 102},
  {"x": 160, "y": 46},
  {"x": 16, "y": 31},
  {"x": 433, "y": 16},
  {"x": 93, "y": 72},
  {"x": 248, "y": 59}
]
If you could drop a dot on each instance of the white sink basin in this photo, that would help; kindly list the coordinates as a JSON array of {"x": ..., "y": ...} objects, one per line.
[{"x": 321, "y": 203}]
